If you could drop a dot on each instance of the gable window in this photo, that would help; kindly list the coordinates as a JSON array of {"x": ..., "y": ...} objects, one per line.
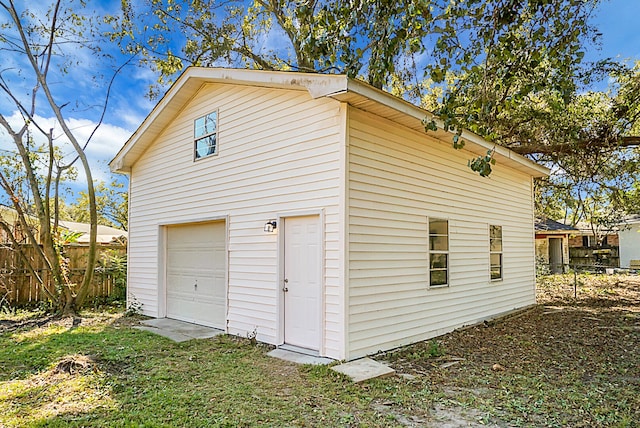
[
  {"x": 205, "y": 135},
  {"x": 495, "y": 250},
  {"x": 438, "y": 252}
]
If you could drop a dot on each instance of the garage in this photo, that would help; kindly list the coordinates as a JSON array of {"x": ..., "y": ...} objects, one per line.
[{"x": 196, "y": 272}]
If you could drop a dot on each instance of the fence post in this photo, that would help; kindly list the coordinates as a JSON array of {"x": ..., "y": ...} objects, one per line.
[{"x": 575, "y": 283}]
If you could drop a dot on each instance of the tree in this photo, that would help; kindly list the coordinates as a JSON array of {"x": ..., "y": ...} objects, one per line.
[
  {"x": 111, "y": 205},
  {"x": 601, "y": 198},
  {"x": 41, "y": 44},
  {"x": 512, "y": 71},
  {"x": 374, "y": 39},
  {"x": 505, "y": 69}
]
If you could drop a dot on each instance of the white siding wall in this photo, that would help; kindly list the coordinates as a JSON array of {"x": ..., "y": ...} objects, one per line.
[
  {"x": 397, "y": 178},
  {"x": 279, "y": 152},
  {"x": 629, "y": 245}
]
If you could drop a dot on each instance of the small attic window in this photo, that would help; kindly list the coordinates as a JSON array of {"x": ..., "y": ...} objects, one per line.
[{"x": 205, "y": 135}]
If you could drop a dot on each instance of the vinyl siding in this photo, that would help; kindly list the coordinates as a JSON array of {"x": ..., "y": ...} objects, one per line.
[
  {"x": 398, "y": 178},
  {"x": 629, "y": 237},
  {"x": 279, "y": 152}
]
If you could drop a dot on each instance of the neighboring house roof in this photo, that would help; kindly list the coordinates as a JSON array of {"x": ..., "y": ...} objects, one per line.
[
  {"x": 552, "y": 226},
  {"x": 586, "y": 228},
  {"x": 339, "y": 87},
  {"x": 106, "y": 234},
  {"x": 632, "y": 219}
]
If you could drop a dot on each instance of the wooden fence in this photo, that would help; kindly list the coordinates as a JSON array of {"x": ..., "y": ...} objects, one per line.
[{"x": 19, "y": 287}]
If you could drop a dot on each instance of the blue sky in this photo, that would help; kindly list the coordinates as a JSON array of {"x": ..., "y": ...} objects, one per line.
[
  {"x": 618, "y": 22},
  {"x": 128, "y": 105}
]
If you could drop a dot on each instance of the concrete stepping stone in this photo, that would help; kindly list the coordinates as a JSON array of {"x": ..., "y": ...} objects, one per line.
[
  {"x": 364, "y": 369},
  {"x": 178, "y": 331}
]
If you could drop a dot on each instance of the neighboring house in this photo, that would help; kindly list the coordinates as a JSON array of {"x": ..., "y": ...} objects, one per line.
[
  {"x": 593, "y": 246},
  {"x": 9, "y": 216},
  {"x": 106, "y": 234},
  {"x": 315, "y": 211},
  {"x": 629, "y": 234},
  {"x": 585, "y": 236},
  {"x": 552, "y": 244}
]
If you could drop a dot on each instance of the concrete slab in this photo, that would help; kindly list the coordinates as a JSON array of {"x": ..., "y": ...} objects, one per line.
[
  {"x": 297, "y": 357},
  {"x": 178, "y": 331},
  {"x": 364, "y": 369}
]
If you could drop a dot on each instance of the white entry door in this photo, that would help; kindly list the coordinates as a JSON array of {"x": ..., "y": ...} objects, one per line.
[
  {"x": 196, "y": 273},
  {"x": 302, "y": 281}
]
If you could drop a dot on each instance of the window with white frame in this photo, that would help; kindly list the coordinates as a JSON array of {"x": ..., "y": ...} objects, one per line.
[
  {"x": 438, "y": 252},
  {"x": 495, "y": 251},
  {"x": 205, "y": 135}
]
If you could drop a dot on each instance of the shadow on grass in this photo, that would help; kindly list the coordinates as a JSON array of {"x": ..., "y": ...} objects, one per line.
[
  {"x": 141, "y": 379},
  {"x": 132, "y": 371},
  {"x": 37, "y": 320},
  {"x": 29, "y": 351}
]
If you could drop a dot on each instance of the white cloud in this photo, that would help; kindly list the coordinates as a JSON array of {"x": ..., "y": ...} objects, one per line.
[
  {"x": 106, "y": 141},
  {"x": 82, "y": 91},
  {"x": 100, "y": 149}
]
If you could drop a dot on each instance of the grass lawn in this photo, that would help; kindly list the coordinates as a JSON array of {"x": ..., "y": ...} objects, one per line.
[{"x": 567, "y": 362}]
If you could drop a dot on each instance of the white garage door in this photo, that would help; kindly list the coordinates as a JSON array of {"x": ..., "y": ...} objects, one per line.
[{"x": 196, "y": 273}]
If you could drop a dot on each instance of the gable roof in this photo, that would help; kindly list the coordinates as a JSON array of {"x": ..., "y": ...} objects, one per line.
[
  {"x": 548, "y": 225},
  {"x": 339, "y": 87}
]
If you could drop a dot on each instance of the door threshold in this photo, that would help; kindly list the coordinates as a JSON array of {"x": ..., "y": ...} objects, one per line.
[{"x": 299, "y": 350}]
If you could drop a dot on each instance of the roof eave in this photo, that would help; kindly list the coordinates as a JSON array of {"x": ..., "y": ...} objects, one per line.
[
  {"x": 406, "y": 107},
  {"x": 318, "y": 86},
  {"x": 193, "y": 78}
]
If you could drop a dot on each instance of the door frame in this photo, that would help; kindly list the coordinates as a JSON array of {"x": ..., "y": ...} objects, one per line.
[
  {"x": 552, "y": 264},
  {"x": 163, "y": 255},
  {"x": 281, "y": 219}
]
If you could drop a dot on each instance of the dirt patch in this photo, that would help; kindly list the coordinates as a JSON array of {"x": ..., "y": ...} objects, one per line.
[
  {"x": 87, "y": 319},
  {"x": 398, "y": 415},
  {"x": 458, "y": 417},
  {"x": 568, "y": 361},
  {"x": 75, "y": 364},
  {"x": 13, "y": 325}
]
